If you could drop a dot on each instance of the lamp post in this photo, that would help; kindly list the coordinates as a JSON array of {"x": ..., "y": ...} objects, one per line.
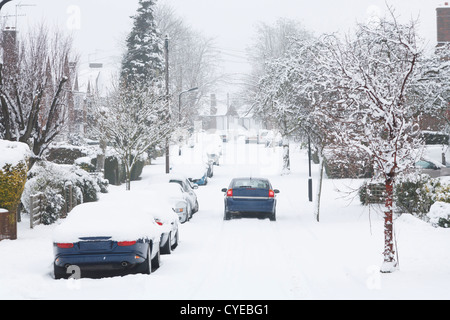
[
  {"x": 179, "y": 101},
  {"x": 310, "y": 178},
  {"x": 166, "y": 53}
]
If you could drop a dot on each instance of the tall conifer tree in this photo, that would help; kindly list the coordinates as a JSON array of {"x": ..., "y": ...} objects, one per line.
[{"x": 143, "y": 62}]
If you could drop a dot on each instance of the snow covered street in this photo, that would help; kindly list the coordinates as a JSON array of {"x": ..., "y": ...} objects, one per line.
[{"x": 295, "y": 257}]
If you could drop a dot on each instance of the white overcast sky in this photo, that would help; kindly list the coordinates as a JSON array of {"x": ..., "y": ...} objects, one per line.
[{"x": 100, "y": 26}]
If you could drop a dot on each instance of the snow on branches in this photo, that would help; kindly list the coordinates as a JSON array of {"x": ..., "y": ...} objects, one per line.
[{"x": 132, "y": 121}]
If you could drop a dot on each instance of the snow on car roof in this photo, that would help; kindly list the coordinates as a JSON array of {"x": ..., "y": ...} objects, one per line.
[
  {"x": 118, "y": 220},
  {"x": 191, "y": 170}
]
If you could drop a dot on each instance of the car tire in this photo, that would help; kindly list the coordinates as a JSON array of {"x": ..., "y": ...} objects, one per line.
[
  {"x": 167, "y": 248},
  {"x": 273, "y": 216},
  {"x": 59, "y": 272},
  {"x": 177, "y": 238},
  {"x": 196, "y": 207},
  {"x": 226, "y": 215},
  {"x": 156, "y": 261},
  {"x": 146, "y": 266}
]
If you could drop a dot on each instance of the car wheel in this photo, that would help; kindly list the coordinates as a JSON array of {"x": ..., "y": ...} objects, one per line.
[
  {"x": 177, "y": 237},
  {"x": 226, "y": 215},
  {"x": 189, "y": 212},
  {"x": 59, "y": 272},
  {"x": 167, "y": 248},
  {"x": 146, "y": 266},
  {"x": 156, "y": 261},
  {"x": 196, "y": 206},
  {"x": 273, "y": 216}
]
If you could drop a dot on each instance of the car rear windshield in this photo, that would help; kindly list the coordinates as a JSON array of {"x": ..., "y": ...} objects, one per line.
[{"x": 250, "y": 183}]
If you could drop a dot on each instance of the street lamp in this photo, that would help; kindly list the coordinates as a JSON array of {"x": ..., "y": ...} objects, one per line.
[
  {"x": 309, "y": 177},
  {"x": 179, "y": 101}
]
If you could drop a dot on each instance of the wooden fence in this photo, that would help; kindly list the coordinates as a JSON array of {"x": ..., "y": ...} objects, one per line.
[
  {"x": 37, "y": 208},
  {"x": 38, "y": 204},
  {"x": 373, "y": 193}
]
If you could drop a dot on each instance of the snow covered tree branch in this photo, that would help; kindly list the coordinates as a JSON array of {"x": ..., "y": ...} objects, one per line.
[
  {"x": 372, "y": 74},
  {"x": 132, "y": 121},
  {"x": 34, "y": 89}
]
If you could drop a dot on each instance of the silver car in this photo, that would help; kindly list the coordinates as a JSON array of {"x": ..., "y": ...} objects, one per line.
[{"x": 188, "y": 188}]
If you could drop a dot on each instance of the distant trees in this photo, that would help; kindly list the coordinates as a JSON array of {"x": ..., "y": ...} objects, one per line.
[
  {"x": 193, "y": 63},
  {"x": 34, "y": 88},
  {"x": 279, "y": 102}
]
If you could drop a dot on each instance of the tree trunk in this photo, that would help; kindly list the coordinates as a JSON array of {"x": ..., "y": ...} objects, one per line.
[
  {"x": 389, "y": 263},
  {"x": 286, "y": 158},
  {"x": 319, "y": 188}
]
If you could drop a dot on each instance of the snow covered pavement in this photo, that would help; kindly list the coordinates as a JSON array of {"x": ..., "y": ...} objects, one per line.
[{"x": 295, "y": 257}]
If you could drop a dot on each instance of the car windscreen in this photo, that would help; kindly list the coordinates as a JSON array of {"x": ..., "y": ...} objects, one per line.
[{"x": 250, "y": 183}]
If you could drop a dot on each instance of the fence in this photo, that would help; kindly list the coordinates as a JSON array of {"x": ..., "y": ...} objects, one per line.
[
  {"x": 373, "y": 193},
  {"x": 70, "y": 200},
  {"x": 37, "y": 208},
  {"x": 38, "y": 203},
  {"x": 8, "y": 230}
]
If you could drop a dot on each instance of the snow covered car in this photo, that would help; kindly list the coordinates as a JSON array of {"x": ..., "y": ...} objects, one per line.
[
  {"x": 196, "y": 173},
  {"x": 213, "y": 147},
  {"x": 434, "y": 170},
  {"x": 105, "y": 238},
  {"x": 250, "y": 196},
  {"x": 174, "y": 195},
  {"x": 163, "y": 202},
  {"x": 188, "y": 190}
]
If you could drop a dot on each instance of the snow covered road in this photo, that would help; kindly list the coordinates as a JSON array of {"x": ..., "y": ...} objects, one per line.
[{"x": 295, "y": 257}]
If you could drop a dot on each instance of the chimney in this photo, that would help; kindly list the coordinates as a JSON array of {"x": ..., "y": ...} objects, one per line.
[
  {"x": 9, "y": 47},
  {"x": 443, "y": 24}
]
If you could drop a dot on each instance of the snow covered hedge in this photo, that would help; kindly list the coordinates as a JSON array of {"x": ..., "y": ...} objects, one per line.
[
  {"x": 415, "y": 194},
  {"x": 420, "y": 195},
  {"x": 53, "y": 180},
  {"x": 439, "y": 214},
  {"x": 13, "y": 171}
]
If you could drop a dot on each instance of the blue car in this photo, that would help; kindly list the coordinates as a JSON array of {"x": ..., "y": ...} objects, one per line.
[
  {"x": 251, "y": 197},
  {"x": 100, "y": 256},
  {"x": 98, "y": 240}
]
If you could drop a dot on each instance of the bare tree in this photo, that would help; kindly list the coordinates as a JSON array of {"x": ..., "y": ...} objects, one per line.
[
  {"x": 193, "y": 62},
  {"x": 371, "y": 74},
  {"x": 132, "y": 121},
  {"x": 34, "y": 89},
  {"x": 276, "y": 69}
]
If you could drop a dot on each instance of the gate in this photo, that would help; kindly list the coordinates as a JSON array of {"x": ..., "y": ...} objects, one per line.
[{"x": 37, "y": 207}]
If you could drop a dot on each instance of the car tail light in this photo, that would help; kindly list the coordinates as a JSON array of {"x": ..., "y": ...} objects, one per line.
[
  {"x": 230, "y": 193},
  {"x": 126, "y": 243},
  {"x": 158, "y": 222},
  {"x": 271, "y": 194},
  {"x": 64, "y": 245}
]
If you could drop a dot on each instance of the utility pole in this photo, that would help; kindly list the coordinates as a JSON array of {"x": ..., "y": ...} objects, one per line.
[{"x": 166, "y": 51}]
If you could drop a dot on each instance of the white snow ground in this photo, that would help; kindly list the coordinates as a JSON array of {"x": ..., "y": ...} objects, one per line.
[{"x": 295, "y": 257}]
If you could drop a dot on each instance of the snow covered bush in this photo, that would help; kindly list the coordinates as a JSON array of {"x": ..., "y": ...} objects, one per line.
[
  {"x": 13, "y": 172},
  {"x": 416, "y": 194},
  {"x": 439, "y": 214},
  {"x": 53, "y": 181}
]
